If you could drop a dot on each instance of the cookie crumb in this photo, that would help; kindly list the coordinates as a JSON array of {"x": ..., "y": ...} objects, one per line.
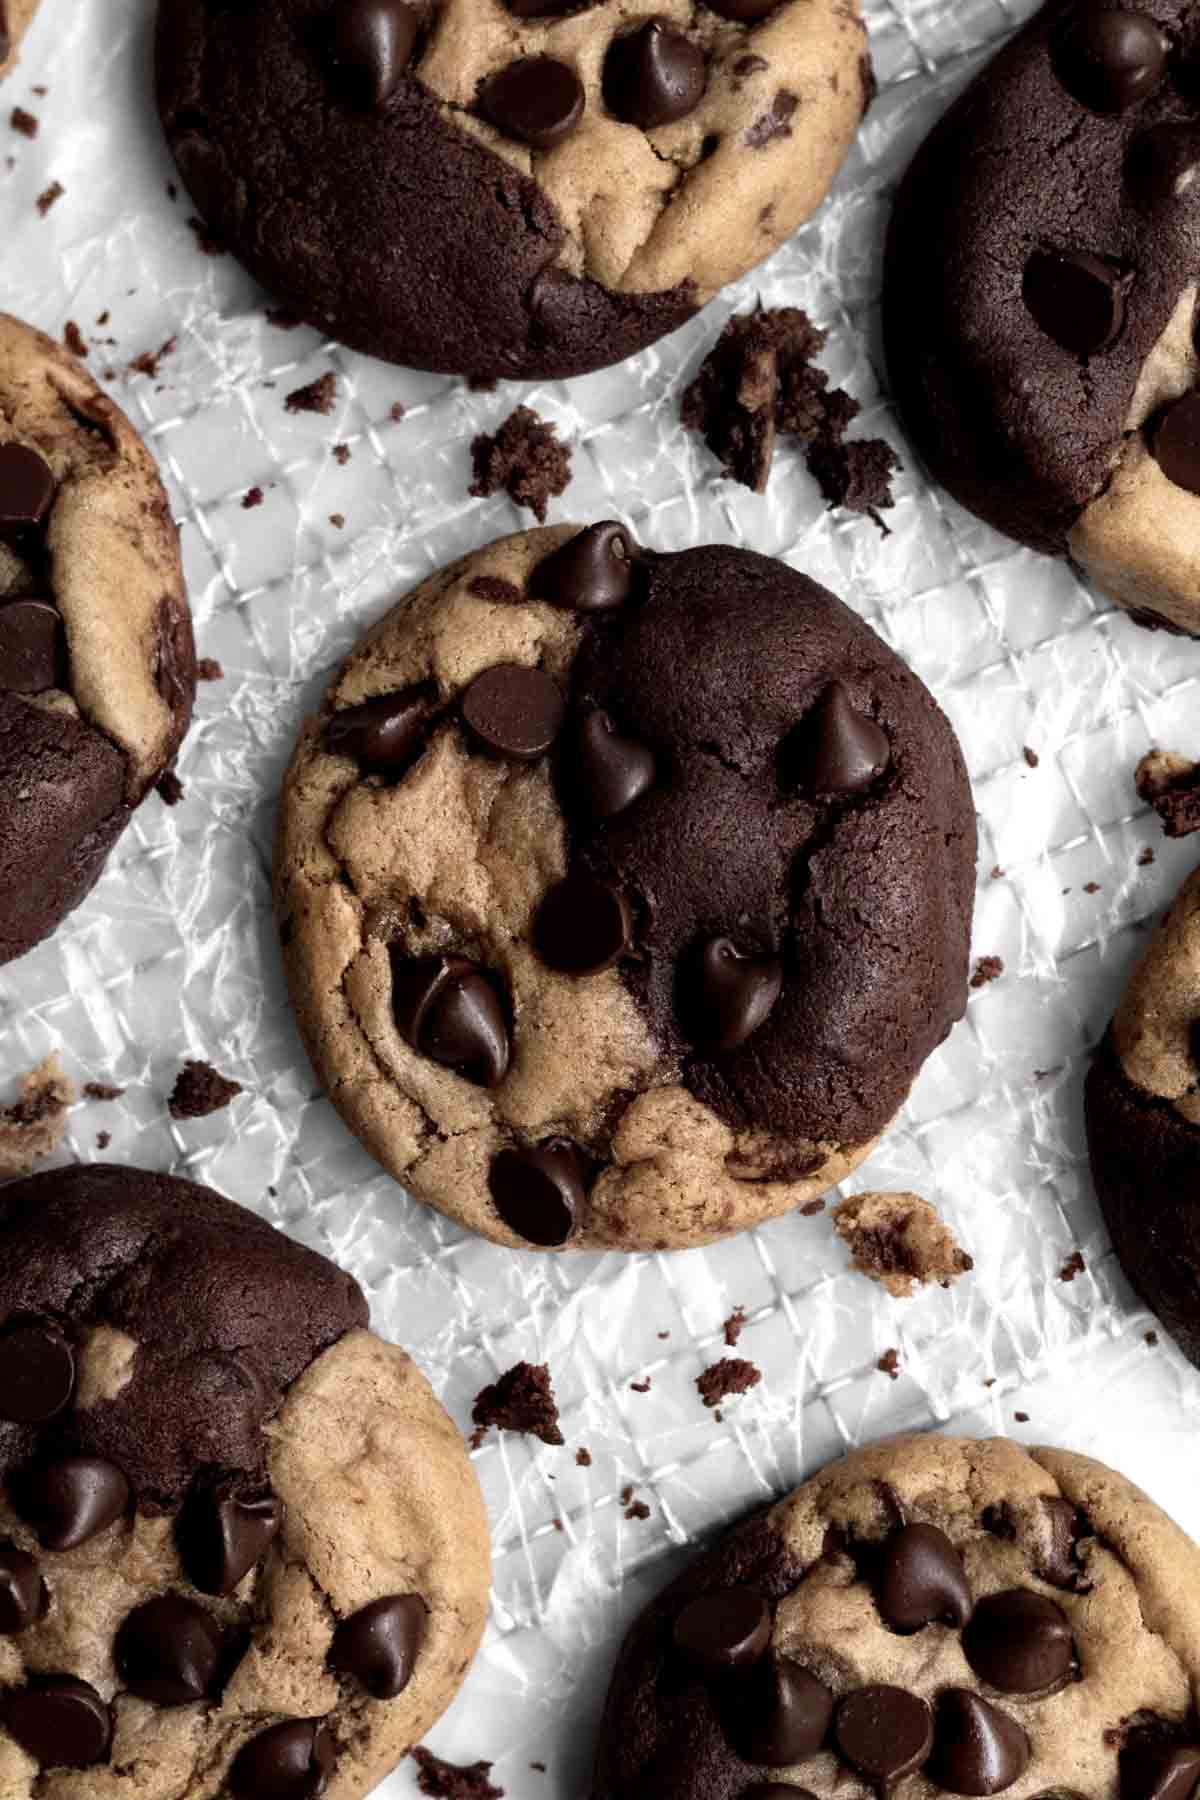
[
  {"x": 634, "y": 1509},
  {"x": 169, "y": 788},
  {"x": 397, "y": 411},
  {"x": 33, "y": 1126},
  {"x": 207, "y": 241},
  {"x": 540, "y": 1767},
  {"x": 1091, "y": 887},
  {"x": 209, "y": 669},
  {"x": 856, "y": 476},
  {"x": 988, "y": 968},
  {"x": 734, "y": 1325},
  {"x": 1022, "y": 1418},
  {"x": 889, "y": 1364},
  {"x": 1031, "y": 756},
  {"x": 50, "y": 197},
  {"x": 641, "y": 1387},
  {"x": 521, "y": 1400},
  {"x": 319, "y": 396},
  {"x": 1073, "y": 1266},
  {"x": 103, "y": 1140},
  {"x": 101, "y": 1090},
  {"x": 1170, "y": 783},
  {"x": 731, "y": 1375},
  {"x": 199, "y": 1090},
  {"x": 900, "y": 1241},
  {"x": 1146, "y": 858},
  {"x": 1151, "y": 1338},
  {"x": 583, "y": 1457},
  {"x": 524, "y": 458},
  {"x": 251, "y": 498},
  {"x": 997, "y": 872},
  {"x": 453, "y": 1781},
  {"x": 24, "y": 122},
  {"x": 341, "y": 454},
  {"x": 338, "y": 521},
  {"x": 148, "y": 362},
  {"x": 74, "y": 339}
]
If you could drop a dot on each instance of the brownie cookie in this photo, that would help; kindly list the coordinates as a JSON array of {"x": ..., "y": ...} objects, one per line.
[
  {"x": 97, "y": 665},
  {"x": 242, "y": 1550},
  {"x": 623, "y": 894},
  {"x": 1143, "y": 1123},
  {"x": 16, "y": 16},
  {"x": 513, "y": 188},
  {"x": 929, "y": 1616},
  {"x": 1040, "y": 298}
]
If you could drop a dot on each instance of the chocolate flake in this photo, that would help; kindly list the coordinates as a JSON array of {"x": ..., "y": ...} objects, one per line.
[
  {"x": 24, "y": 122},
  {"x": 319, "y": 396},
  {"x": 199, "y": 1090},
  {"x": 731, "y": 1375},
  {"x": 521, "y": 1400},
  {"x": 525, "y": 459}
]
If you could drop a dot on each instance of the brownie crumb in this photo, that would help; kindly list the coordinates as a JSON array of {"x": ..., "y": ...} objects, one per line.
[
  {"x": 889, "y": 1364},
  {"x": 207, "y": 241},
  {"x": 1146, "y": 858},
  {"x": 495, "y": 589},
  {"x": 209, "y": 669},
  {"x": 251, "y": 498},
  {"x": 988, "y": 968},
  {"x": 856, "y": 476},
  {"x": 1031, "y": 756},
  {"x": 450, "y": 1781},
  {"x": 148, "y": 362},
  {"x": 583, "y": 1457},
  {"x": 1151, "y": 1338},
  {"x": 1073, "y": 1266},
  {"x": 641, "y": 1387},
  {"x": 397, "y": 411},
  {"x": 634, "y": 1509},
  {"x": 103, "y": 1140},
  {"x": 74, "y": 339},
  {"x": 1022, "y": 1418},
  {"x": 199, "y": 1090},
  {"x": 524, "y": 458},
  {"x": 732, "y": 1375},
  {"x": 997, "y": 872},
  {"x": 338, "y": 521},
  {"x": 50, "y": 196},
  {"x": 24, "y": 122},
  {"x": 1170, "y": 783},
  {"x": 282, "y": 319},
  {"x": 521, "y": 1400},
  {"x": 900, "y": 1241},
  {"x": 101, "y": 1090},
  {"x": 33, "y": 1126},
  {"x": 169, "y": 788},
  {"x": 341, "y": 454},
  {"x": 319, "y": 396},
  {"x": 734, "y": 1325}
]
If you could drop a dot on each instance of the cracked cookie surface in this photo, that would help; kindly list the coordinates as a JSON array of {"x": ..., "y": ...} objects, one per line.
[
  {"x": 501, "y": 189},
  {"x": 930, "y": 1615},
  {"x": 241, "y": 1544},
  {"x": 623, "y": 894}
]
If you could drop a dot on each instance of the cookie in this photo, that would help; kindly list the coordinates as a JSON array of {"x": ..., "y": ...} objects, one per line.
[
  {"x": 242, "y": 1550},
  {"x": 507, "y": 188},
  {"x": 929, "y": 1616},
  {"x": 97, "y": 664},
  {"x": 623, "y": 894},
  {"x": 1040, "y": 298},
  {"x": 1143, "y": 1123},
  {"x": 16, "y": 16}
]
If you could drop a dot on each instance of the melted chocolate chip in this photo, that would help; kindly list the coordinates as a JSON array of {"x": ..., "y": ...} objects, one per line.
[
  {"x": 27, "y": 487},
  {"x": 784, "y": 1716},
  {"x": 1110, "y": 58},
  {"x": 609, "y": 771},
  {"x": 451, "y": 1011},
  {"x": 60, "y": 1722},
  {"x": 23, "y": 1596},
  {"x": 372, "y": 42},
  {"x": 539, "y": 1190},
  {"x": 921, "y": 1578},
  {"x": 513, "y": 711},
  {"x": 379, "y": 1643},
  {"x": 1162, "y": 164},
  {"x": 292, "y": 1761},
  {"x": 582, "y": 926},
  {"x": 70, "y": 1501},
  {"x": 222, "y": 1536},
  {"x": 590, "y": 572},
  {"x": 169, "y": 1650},
  {"x": 535, "y": 99},
  {"x": 653, "y": 75},
  {"x": 835, "y": 749},
  {"x": 1060, "y": 1562},
  {"x": 31, "y": 647},
  {"x": 383, "y": 734},
  {"x": 722, "y": 1631},
  {"x": 883, "y": 1732},
  {"x": 727, "y": 993},
  {"x": 1019, "y": 1641},
  {"x": 977, "y": 1748},
  {"x": 1075, "y": 299},
  {"x": 1175, "y": 444},
  {"x": 37, "y": 1364},
  {"x": 1150, "y": 1771}
]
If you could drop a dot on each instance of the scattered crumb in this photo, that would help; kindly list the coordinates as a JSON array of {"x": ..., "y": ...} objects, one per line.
[
  {"x": 990, "y": 1382},
  {"x": 583, "y": 1457},
  {"x": 900, "y": 1241},
  {"x": 1073, "y": 1266},
  {"x": 664, "y": 1334},
  {"x": 449, "y": 1781},
  {"x": 1091, "y": 887},
  {"x": 207, "y": 242},
  {"x": 252, "y": 497},
  {"x": 1031, "y": 756},
  {"x": 641, "y": 1387},
  {"x": 857, "y": 476},
  {"x": 74, "y": 339},
  {"x": 997, "y": 872},
  {"x": 521, "y": 1400},
  {"x": 1170, "y": 783},
  {"x": 209, "y": 669},
  {"x": 319, "y": 396},
  {"x": 889, "y": 1364},
  {"x": 103, "y": 1140},
  {"x": 24, "y": 122},
  {"x": 49, "y": 196},
  {"x": 148, "y": 362},
  {"x": 734, "y": 1325},
  {"x": 281, "y": 318},
  {"x": 731, "y": 1375},
  {"x": 33, "y": 1126},
  {"x": 524, "y": 458},
  {"x": 199, "y": 1090},
  {"x": 100, "y": 1090},
  {"x": 1022, "y": 1418},
  {"x": 634, "y": 1509},
  {"x": 169, "y": 788},
  {"x": 540, "y": 1767},
  {"x": 1146, "y": 858},
  {"x": 988, "y": 968},
  {"x": 1151, "y": 1338},
  {"x": 398, "y": 410},
  {"x": 338, "y": 521},
  {"x": 103, "y": 318},
  {"x": 341, "y": 454}
]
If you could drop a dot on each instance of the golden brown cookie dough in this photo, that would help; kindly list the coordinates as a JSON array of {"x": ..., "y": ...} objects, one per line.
[
  {"x": 16, "y": 16},
  {"x": 900, "y": 1241}
]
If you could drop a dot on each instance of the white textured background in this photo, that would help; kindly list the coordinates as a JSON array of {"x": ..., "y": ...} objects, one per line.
[{"x": 174, "y": 955}]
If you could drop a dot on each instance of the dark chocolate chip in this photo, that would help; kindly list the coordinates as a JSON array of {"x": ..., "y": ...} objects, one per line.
[
  {"x": 1067, "y": 1524},
  {"x": 1075, "y": 299},
  {"x": 725, "y": 1630},
  {"x": 379, "y": 1643},
  {"x": 450, "y": 1010},
  {"x": 1175, "y": 444},
  {"x": 727, "y": 993},
  {"x": 535, "y": 99},
  {"x": 37, "y": 1365},
  {"x": 883, "y": 1732},
  {"x": 745, "y": 12},
  {"x": 60, "y": 1722},
  {"x": 1110, "y": 58},
  {"x": 372, "y": 43},
  {"x": 582, "y": 926},
  {"x": 1150, "y": 1771},
  {"x": 23, "y": 1595},
  {"x": 69, "y": 1501},
  {"x": 1162, "y": 164},
  {"x": 610, "y": 772},
  {"x": 169, "y": 1651},
  {"x": 222, "y": 1536},
  {"x": 538, "y": 1191},
  {"x": 1019, "y": 1641},
  {"x": 292, "y": 1761},
  {"x": 921, "y": 1578},
  {"x": 590, "y": 572},
  {"x": 513, "y": 711},
  {"x": 835, "y": 749},
  {"x": 27, "y": 487},
  {"x": 977, "y": 1748},
  {"x": 784, "y": 1716},
  {"x": 653, "y": 75},
  {"x": 386, "y": 733},
  {"x": 31, "y": 647}
]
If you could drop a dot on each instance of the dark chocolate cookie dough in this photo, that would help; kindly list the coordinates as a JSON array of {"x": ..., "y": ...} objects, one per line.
[{"x": 623, "y": 894}]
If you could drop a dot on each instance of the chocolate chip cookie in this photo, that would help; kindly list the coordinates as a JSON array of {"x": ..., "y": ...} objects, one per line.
[
  {"x": 1040, "y": 298},
  {"x": 1143, "y": 1123},
  {"x": 16, "y": 16},
  {"x": 929, "y": 1616},
  {"x": 242, "y": 1551},
  {"x": 623, "y": 894},
  {"x": 507, "y": 187},
  {"x": 97, "y": 664}
]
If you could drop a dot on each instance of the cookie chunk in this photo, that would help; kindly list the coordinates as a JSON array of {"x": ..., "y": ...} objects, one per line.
[
  {"x": 16, "y": 16},
  {"x": 1143, "y": 1123},
  {"x": 97, "y": 664},
  {"x": 623, "y": 894},
  {"x": 242, "y": 1551},
  {"x": 510, "y": 188},
  {"x": 929, "y": 1616},
  {"x": 1040, "y": 298}
]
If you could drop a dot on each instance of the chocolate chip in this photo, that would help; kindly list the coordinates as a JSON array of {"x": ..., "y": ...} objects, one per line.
[
  {"x": 745, "y": 12},
  {"x": 609, "y": 771},
  {"x": 1067, "y": 1524},
  {"x": 60, "y": 1722},
  {"x": 536, "y": 100},
  {"x": 23, "y": 1594},
  {"x": 785, "y": 1715},
  {"x": 292, "y": 1761},
  {"x": 379, "y": 1643},
  {"x": 653, "y": 75},
  {"x": 582, "y": 926},
  {"x": 727, "y": 1629},
  {"x": 1019, "y": 1641},
  {"x": 383, "y": 734},
  {"x": 222, "y": 1536},
  {"x": 835, "y": 749},
  {"x": 977, "y": 1748},
  {"x": 921, "y": 1578},
  {"x": 37, "y": 1369},
  {"x": 450, "y": 1010},
  {"x": 1162, "y": 164},
  {"x": 70, "y": 1501},
  {"x": 372, "y": 43},
  {"x": 31, "y": 647},
  {"x": 1110, "y": 58},
  {"x": 1075, "y": 299},
  {"x": 727, "y": 993},
  {"x": 883, "y": 1732},
  {"x": 1175, "y": 444},
  {"x": 513, "y": 711},
  {"x": 590, "y": 572},
  {"x": 539, "y": 1190},
  {"x": 27, "y": 487},
  {"x": 169, "y": 1650},
  {"x": 1150, "y": 1771}
]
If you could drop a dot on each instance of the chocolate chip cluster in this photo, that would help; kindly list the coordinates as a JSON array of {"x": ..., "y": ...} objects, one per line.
[{"x": 33, "y": 655}]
